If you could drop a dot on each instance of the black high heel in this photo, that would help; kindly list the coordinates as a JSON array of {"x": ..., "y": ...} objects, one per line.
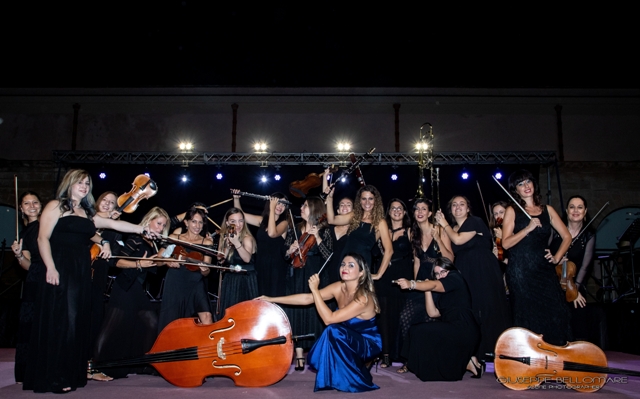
[
  {"x": 385, "y": 362},
  {"x": 299, "y": 364},
  {"x": 479, "y": 369}
]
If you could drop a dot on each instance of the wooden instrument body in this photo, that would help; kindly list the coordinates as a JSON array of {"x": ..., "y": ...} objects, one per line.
[
  {"x": 142, "y": 188},
  {"x": 219, "y": 351},
  {"x": 547, "y": 363},
  {"x": 566, "y": 272}
]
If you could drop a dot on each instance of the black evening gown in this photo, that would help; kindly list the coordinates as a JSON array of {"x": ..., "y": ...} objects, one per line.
[
  {"x": 391, "y": 297},
  {"x": 333, "y": 267},
  {"x": 440, "y": 350},
  {"x": 29, "y": 236},
  {"x": 305, "y": 319},
  {"x": 130, "y": 324},
  {"x": 583, "y": 320},
  {"x": 481, "y": 270},
  {"x": 185, "y": 295},
  {"x": 271, "y": 268},
  {"x": 239, "y": 286},
  {"x": 99, "y": 280},
  {"x": 361, "y": 241},
  {"x": 537, "y": 299},
  {"x": 58, "y": 349}
]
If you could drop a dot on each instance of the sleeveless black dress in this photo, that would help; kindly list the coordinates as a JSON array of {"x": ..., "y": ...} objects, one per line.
[
  {"x": 185, "y": 295},
  {"x": 481, "y": 270},
  {"x": 238, "y": 286},
  {"x": 271, "y": 267},
  {"x": 58, "y": 349},
  {"x": 537, "y": 299},
  {"x": 361, "y": 241},
  {"x": 391, "y": 297}
]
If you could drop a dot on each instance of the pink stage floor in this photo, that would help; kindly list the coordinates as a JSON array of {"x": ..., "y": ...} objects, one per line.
[{"x": 298, "y": 385}]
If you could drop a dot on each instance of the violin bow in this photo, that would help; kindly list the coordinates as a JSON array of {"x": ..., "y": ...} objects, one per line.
[
  {"x": 15, "y": 182},
  {"x": 325, "y": 263},
  {"x": 235, "y": 268},
  {"x": 219, "y": 203},
  {"x": 512, "y": 199},
  {"x": 294, "y": 232},
  {"x": 484, "y": 206},
  {"x": 206, "y": 250},
  {"x": 587, "y": 225}
]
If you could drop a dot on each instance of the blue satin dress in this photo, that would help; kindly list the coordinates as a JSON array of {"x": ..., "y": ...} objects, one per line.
[{"x": 339, "y": 355}]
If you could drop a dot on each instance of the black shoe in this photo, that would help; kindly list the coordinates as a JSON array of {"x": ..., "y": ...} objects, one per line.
[
  {"x": 299, "y": 364},
  {"x": 479, "y": 369},
  {"x": 385, "y": 362}
]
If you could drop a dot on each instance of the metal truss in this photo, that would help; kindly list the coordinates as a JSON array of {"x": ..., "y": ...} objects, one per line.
[{"x": 302, "y": 158}]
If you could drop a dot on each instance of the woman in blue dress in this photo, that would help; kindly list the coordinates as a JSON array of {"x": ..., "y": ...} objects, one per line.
[{"x": 351, "y": 338}]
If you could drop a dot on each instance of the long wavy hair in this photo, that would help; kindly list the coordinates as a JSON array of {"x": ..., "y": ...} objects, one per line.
[
  {"x": 241, "y": 234},
  {"x": 155, "y": 213},
  {"x": 64, "y": 193},
  {"x": 377, "y": 213},
  {"x": 317, "y": 210},
  {"x": 25, "y": 219},
  {"x": 518, "y": 177},
  {"x": 266, "y": 210},
  {"x": 416, "y": 231},
  {"x": 365, "y": 287}
]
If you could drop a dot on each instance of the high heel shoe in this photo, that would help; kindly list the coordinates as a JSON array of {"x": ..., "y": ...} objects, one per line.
[
  {"x": 479, "y": 369},
  {"x": 385, "y": 362},
  {"x": 299, "y": 364}
]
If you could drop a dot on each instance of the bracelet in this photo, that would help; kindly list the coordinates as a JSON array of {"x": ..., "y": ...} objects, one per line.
[
  {"x": 20, "y": 257},
  {"x": 103, "y": 241},
  {"x": 138, "y": 266},
  {"x": 413, "y": 285}
]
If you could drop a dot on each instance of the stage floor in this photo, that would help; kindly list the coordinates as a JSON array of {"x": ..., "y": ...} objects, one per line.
[{"x": 298, "y": 385}]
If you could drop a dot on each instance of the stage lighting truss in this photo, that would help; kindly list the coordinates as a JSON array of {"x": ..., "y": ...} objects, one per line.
[{"x": 302, "y": 158}]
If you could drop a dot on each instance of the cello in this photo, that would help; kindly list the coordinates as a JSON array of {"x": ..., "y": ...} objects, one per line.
[
  {"x": 523, "y": 360},
  {"x": 252, "y": 345}
]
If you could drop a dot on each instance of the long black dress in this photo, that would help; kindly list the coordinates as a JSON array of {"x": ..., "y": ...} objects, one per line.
[
  {"x": 537, "y": 299},
  {"x": 239, "y": 286},
  {"x": 361, "y": 241},
  {"x": 441, "y": 350},
  {"x": 582, "y": 319},
  {"x": 305, "y": 319},
  {"x": 333, "y": 267},
  {"x": 130, "y": 324},
  {"x": 391, "y": 297},
  {"x": 29, "y": 238},
  {"x": 271, "y": 267},
  {"x": 99, "y": 278},
  {"x": 58, "y": 349},
  {"x": 185, "y": 295},
  {"x": 481, "y": 270}
]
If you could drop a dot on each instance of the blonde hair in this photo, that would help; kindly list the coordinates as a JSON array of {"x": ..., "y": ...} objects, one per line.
[
  {"x": 155, "y": 213},
  {"x": 241, "y": 234},
  {"x": 377, "y": 214},
  {"x": 64, "y": 192}
]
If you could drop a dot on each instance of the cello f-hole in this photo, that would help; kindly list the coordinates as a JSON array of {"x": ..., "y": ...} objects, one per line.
[{"x": 233, "y": 324}]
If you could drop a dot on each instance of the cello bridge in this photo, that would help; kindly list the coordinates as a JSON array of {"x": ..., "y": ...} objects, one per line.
[{"x": 221, "y": 353}]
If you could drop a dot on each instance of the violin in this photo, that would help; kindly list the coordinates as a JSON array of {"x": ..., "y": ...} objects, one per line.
[
  {"x": 566, "y": 272},
  {"x": 499, "y": 241},
  {"x": 178, "y": 252},
  {"x": 523, "y": 360},
  {"x": 252, "y": 345},
  {"x": 142, "y": 188},
  {"x": 358, "y": 173},
  {"x": 305, "y": 243},
  {"x": 300, "y": 188}
]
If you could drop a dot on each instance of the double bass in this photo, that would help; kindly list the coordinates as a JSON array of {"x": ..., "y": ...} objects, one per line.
[{"x": 252, "y": 345}]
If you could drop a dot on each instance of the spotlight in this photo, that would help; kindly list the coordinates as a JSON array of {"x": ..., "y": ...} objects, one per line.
[
  {"x": 184, "y": 178},
  {"x": 343, "y": 179},
  {"x": 186, "y": 146},
  {"x": 344, "y": 146},
  {"x": 147, "y": 174},
  {"x": 263, "y": 179},
  {"x": 498, "y": 175},
  {"x": 464, "y": 175},
  {"x": 219, "y": 176},
  {"x": 394, "y": 177},
  {"x": 102, "y": 175},
  {"x": 277, "y": 177},
  {"x": 260, "y": 147},
  {"x": 422, "y": 146}
]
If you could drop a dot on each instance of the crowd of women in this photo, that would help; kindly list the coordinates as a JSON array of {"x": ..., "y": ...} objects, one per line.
[{"x": 429, "y": 290}]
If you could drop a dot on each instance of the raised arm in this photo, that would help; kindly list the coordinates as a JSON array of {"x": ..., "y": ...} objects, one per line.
[
  {"x": 332, "y": 218},
  {"x": 253, "y": 220}
]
